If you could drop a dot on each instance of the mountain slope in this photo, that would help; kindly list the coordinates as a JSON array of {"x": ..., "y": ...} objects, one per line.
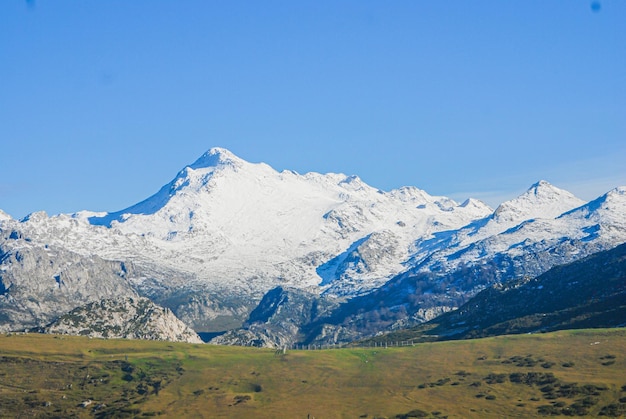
[
  {"x": 542, "y": 201},
  {"x": 587, "y": 293},
  {"x": 448, "y": 276},
  {"x": 278, "y": 319}
]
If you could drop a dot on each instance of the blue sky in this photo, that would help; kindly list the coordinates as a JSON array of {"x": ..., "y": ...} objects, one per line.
[{"x": 103, "y": 102}]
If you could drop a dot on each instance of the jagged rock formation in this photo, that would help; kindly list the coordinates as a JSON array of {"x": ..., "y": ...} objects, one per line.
[
  {"x": 128, "y": 318},
  {"x": 39, "y": 282}
]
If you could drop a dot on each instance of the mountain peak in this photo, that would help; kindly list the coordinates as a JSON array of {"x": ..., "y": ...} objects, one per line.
[
  {"x": 475, "y": 203},
  {"x": 617, "y": 193},
  {"x": 545, "y": 188},
  {"x": 217, "y": 157},
  {"x": 614, "y": 196},
  {"x": 542, "y": 183},
  {"x": 541, "y": 200},
  {"x": 613, "y": 201}
]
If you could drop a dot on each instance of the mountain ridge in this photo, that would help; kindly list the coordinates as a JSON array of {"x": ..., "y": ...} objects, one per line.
[
  {"x": 587, "y": 293},
  {"x": 224, "y": 232}
]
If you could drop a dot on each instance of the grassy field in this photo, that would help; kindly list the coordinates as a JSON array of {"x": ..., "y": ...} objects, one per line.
[{"x": 564, "y": 373}]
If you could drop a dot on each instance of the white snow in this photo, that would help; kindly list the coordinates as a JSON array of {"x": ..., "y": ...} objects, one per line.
[
  {"x": 539, "y": 219},
  {"x": 232, "y": 223},
  {"x": 4, "y": 216}
]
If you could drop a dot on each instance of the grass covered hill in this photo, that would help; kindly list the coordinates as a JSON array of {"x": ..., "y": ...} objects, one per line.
[{"x": 523, "y": 376}]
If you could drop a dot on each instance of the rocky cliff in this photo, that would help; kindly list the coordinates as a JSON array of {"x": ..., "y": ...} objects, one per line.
[{"x": 128, "y": 318}]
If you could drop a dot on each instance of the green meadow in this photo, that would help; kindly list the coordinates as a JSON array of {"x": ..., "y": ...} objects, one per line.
[{"x": 568, "y": 373}]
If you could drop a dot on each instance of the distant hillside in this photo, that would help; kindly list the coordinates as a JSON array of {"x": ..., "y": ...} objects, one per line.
[{"x": 588, "y": 293}]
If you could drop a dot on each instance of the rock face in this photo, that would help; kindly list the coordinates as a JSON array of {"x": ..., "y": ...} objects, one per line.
[
  {"x": 128, "y": 318},
  {"x": 280, "y": 319},
  {"x": 38, "y": 283}
]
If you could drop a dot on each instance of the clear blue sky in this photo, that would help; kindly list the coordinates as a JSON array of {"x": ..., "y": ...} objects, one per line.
[{"x": 103, "y": 102}]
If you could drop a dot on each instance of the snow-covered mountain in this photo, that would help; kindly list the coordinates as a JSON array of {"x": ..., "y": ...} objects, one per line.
[
  {"x": 224, "y": 231},
  {"x": 448, "y": 269},
  {"x": 541, "y": 203},
  {"x": 543, "y": 219},
  {"x": 224, "y": 222},
  {"x": 249, "y": 226}
]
